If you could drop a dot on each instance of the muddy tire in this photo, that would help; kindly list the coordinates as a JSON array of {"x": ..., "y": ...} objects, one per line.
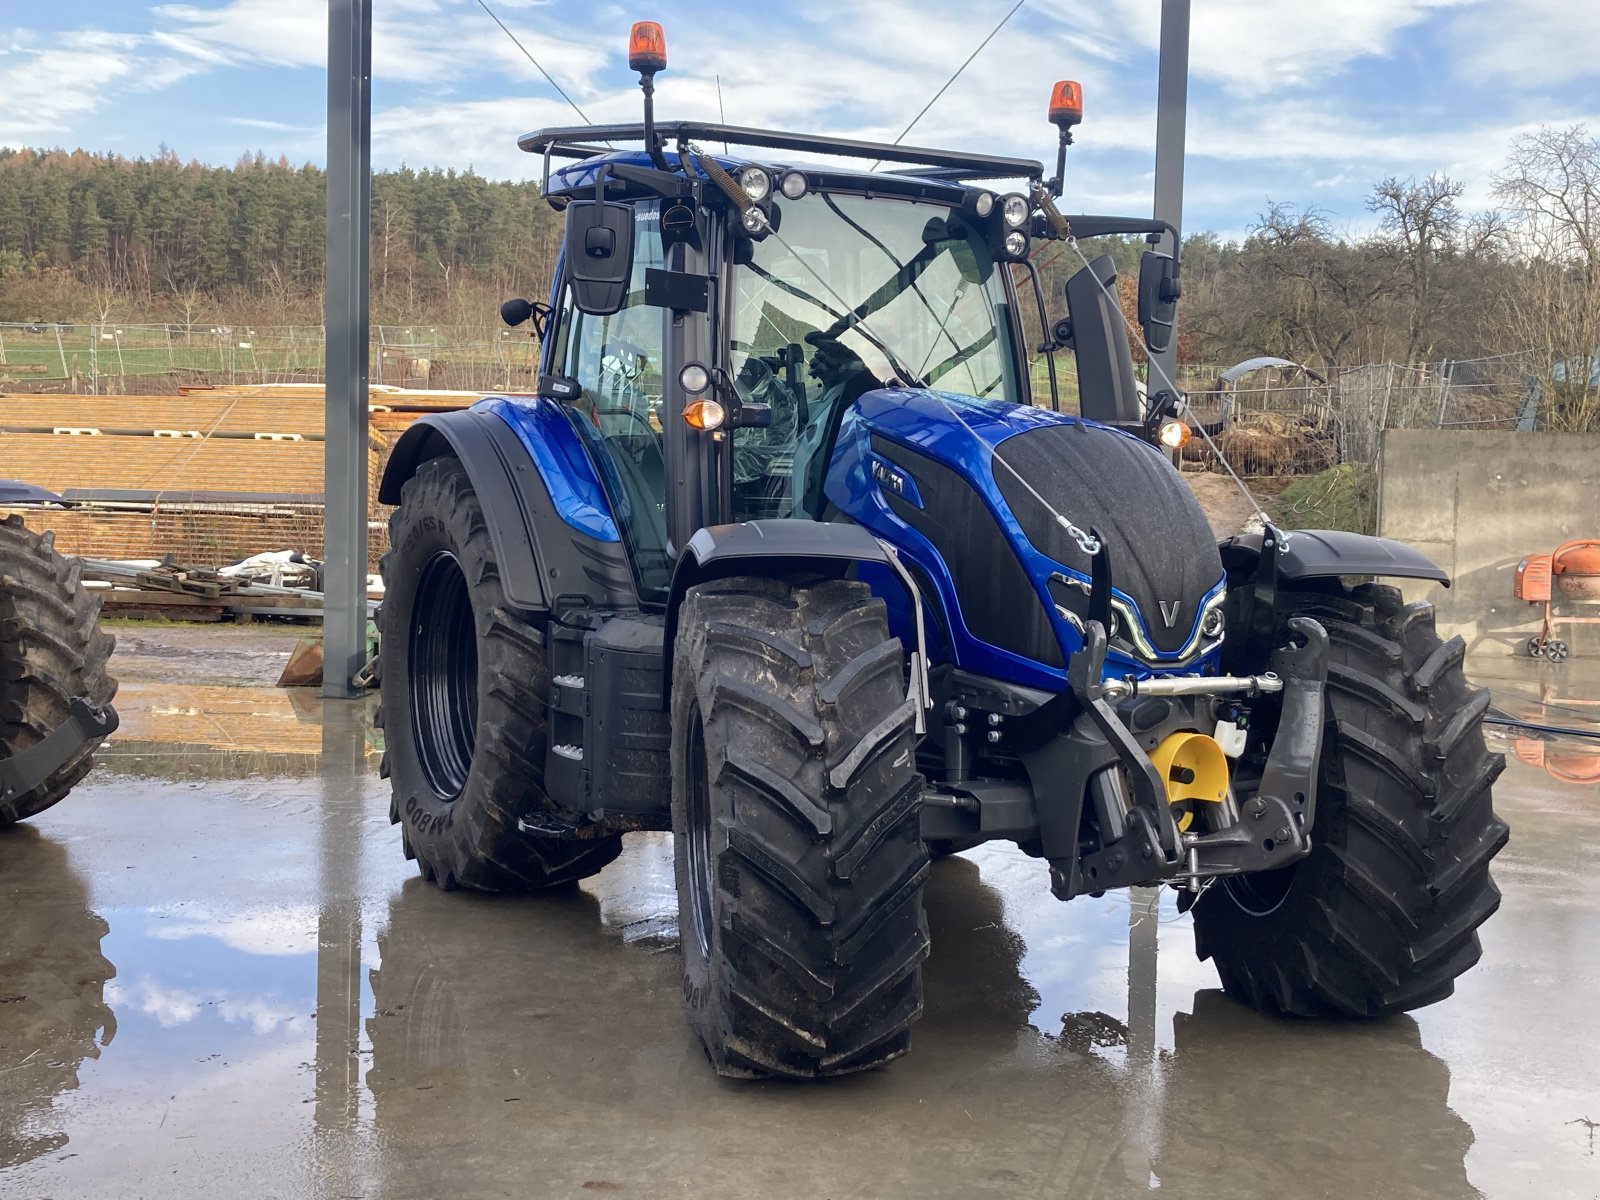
[
  {"x": 799, "y": 860},
  {"x": 1382, "y": 916},
  {"x": 462, "y": 703},
  {"x": 52, "y": 650}
]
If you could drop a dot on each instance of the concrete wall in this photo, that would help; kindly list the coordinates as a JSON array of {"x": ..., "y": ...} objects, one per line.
[{"x": 1477, "y": 502}]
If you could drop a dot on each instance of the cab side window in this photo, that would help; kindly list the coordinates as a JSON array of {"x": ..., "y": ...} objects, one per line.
[{"x": 617, "y": 361}]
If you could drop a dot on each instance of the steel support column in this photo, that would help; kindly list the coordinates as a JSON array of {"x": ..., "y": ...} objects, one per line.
[
  {"x": 1172, "y": 101},
  {"x": 344, "y": 617}
]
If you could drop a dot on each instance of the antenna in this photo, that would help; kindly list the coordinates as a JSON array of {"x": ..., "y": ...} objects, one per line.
[
  {"x": 535, "y": 62},
  {"x": 949, "y": 81}
]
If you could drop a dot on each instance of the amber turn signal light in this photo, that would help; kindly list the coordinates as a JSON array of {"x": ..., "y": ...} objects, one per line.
[
  {"x": 1066, "y": 104},
  {"x": 647, "y": 48},
  {"x": 704, "y": 415}
]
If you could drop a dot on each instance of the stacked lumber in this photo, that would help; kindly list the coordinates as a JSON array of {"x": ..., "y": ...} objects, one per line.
[{"x": 212, "y": 475}]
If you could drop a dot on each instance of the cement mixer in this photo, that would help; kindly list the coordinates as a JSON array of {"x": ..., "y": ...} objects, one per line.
[{"x": 1571, "y": 574}]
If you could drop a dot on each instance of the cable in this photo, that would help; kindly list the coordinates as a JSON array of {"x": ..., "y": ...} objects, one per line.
[
  {"x": 535, "y": 62},
  {"x": 1150, "y": 358},
  {"x": 1592, "y": 712},
  {"x": 952, "y": 78},
  {"x": 1555, "y": 730}
]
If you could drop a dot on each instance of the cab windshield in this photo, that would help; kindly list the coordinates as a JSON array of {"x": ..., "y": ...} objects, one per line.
[{"x": 851, "y": 295}]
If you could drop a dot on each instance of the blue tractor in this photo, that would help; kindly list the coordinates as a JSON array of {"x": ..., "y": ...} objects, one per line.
[{"x": 788, "y": 553}]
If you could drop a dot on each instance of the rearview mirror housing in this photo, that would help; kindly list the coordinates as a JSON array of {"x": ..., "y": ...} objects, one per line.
[
  {"x": 1158, "y": 299},
  {"x": 1106, "y": 386},
  {"x": 599, "y": 258}
]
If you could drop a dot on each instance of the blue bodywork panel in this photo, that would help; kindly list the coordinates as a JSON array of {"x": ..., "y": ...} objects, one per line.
[
  {"x": 553, "y": 441},
  {"x": 922, "y": 421}
]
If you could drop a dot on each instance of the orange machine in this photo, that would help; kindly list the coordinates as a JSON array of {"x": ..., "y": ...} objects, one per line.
[{"x": 1572, "y": 573}]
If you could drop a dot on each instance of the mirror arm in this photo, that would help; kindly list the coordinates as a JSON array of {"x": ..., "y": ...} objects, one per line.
[{"x": 1048, "y": 344}]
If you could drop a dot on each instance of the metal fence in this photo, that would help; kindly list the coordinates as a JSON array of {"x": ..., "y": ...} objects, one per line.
[
  {"x": 1283, "y": 421},
  {"x": 97, "y": 358}
]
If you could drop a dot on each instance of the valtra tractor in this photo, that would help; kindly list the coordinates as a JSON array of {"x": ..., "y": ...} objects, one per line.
[{"x": 788, "y": 554}]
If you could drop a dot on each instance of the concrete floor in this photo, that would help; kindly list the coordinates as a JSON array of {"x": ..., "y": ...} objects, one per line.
[{"x": 218, "y": 977}]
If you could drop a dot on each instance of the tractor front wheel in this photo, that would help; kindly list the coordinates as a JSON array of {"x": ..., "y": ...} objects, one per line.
[
  {"x": 462, "y": 706},
  {"x": 798, "y": 852},
  {"x": 1382, "y": 916}
]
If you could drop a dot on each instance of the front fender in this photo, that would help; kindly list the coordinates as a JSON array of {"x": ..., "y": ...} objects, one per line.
[
  {"x": 767, "y": 548},
  {"x": 1325, "y": 553}
]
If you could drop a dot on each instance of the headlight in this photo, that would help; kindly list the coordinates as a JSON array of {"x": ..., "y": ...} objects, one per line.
[
  {"x": 694, "y": 379},
  {"x": 1016, "y": 244},
  {"x": 1212, "y": 624},
  {"x": 755, "y": 221},
  {"x": 1014, "y": 210},
  {"x": 793, "y": 185},
  {"x": 757, "y": 184}
]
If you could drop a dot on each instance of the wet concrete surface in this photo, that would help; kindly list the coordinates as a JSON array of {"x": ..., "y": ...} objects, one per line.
[{"x": 218, "y": 976}]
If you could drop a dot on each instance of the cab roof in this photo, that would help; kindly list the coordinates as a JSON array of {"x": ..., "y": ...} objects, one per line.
[{"x": 925, "y": 172}]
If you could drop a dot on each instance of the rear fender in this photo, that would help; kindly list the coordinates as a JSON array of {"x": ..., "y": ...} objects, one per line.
[{"x": 545, "y": 551}]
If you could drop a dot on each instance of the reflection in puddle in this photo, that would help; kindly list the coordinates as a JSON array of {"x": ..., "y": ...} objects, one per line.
[{"x": 53, "y": 991}]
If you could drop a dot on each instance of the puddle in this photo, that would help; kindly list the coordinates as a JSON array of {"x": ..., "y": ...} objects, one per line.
[{"x": 219, "y": 966}]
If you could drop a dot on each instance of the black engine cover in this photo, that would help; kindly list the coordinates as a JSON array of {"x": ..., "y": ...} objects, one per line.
[{"x": 1161, "y": 546}]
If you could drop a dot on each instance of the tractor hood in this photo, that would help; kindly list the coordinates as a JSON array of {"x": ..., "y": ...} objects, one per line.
[{"x": 929, "y": 472}]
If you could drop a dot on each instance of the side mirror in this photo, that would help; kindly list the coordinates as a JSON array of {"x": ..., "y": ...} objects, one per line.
[
  {"x": 1158, "y": 298},
  {"x": 517, "y": 310},
  {"x": 1106, "y": 386},
  {"x": 599, "y": 255}
]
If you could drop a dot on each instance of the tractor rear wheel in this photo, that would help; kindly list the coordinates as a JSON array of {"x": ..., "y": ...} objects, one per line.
[
  {"x": 52, "y": 650},
  {"x": 797, "y": 846},
  {"x": 462, "y": 702},
  {"x": 1382, "y": 916}
]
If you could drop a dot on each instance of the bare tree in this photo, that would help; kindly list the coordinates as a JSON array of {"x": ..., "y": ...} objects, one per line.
[
  {"x": 1551, "y": 189},
  {"x": 1422, "y": 223}
]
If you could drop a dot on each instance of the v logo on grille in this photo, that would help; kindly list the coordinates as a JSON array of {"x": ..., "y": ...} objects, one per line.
[{"x": 1169, "y": 611}]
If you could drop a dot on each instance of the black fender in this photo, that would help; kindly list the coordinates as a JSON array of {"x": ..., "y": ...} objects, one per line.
[
  {"x": 541, "y": 559},
  {"x": 1323, "y": 553},
  {"x": 766, "y": 548},
  {"x": 15, "y": 492}
]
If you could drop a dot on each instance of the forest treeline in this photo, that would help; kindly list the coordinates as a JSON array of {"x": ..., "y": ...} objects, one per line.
[
  {"x": 96, "y": 237},
  {"x": 88, "y": 236}
]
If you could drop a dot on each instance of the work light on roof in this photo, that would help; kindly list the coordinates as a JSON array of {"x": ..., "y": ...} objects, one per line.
[
  {"x": 793, "y": 185},
  {"x": 757, "y": 184}
]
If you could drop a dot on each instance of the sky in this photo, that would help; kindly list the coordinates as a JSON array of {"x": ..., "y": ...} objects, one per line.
[{"x": 1306, "y": 102}]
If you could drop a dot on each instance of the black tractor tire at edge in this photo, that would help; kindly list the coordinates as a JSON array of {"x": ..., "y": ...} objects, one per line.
[
  {"x": 459, "y": 821},
  {"x": 1382, "y": 916},
  {"x": 798, "y": 853},
  {"x": 52, "y": 650}
]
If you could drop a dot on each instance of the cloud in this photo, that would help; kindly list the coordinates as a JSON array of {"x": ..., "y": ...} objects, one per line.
[
  {"x": 174, "y": 1006},
  {"x": 1537, "y": 43},
  {"x": 50, "y": 88},
  {"x": 1253, "y": 47},
  {"x": 291, "y": 929}
]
